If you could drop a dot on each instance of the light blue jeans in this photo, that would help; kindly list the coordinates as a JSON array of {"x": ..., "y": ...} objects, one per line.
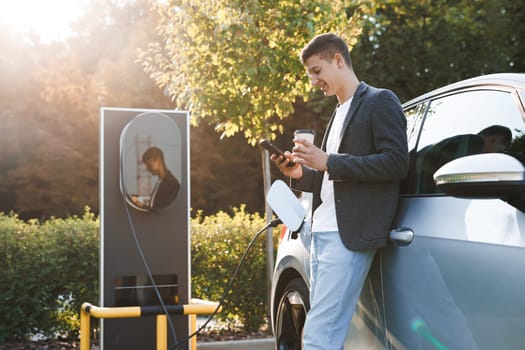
[{"x": 336, "y": 278}]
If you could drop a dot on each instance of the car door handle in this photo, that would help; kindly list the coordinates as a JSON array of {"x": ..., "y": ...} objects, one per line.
[{"x": 401, "y": 236}]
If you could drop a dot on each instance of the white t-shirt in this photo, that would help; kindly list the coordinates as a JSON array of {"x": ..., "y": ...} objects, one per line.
[{"x": 324, "y": 218}]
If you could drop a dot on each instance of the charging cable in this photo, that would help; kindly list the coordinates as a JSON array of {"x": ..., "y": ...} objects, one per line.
[
  {"x": 272, "y": 223},
  {"x": 150, "y": 275}
]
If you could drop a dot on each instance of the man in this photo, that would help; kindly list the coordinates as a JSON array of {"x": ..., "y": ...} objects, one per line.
[
  {"x": 355, "y": 179},
  {"x": 167, "y": 188}
]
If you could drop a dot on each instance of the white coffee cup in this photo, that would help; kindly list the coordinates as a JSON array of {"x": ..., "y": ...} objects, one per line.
[{"x": 305, "y": 134}]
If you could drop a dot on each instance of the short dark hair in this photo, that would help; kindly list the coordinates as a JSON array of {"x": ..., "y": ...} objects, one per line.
[
  {"x": 326, "y": 45},
  {"x": 153, "y": 153}
]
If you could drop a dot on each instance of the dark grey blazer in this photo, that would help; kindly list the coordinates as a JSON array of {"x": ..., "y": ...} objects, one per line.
[{"x": 371, "y": 161}]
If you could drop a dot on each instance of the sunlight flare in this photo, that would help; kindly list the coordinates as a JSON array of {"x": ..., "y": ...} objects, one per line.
[{"x": 50, "y": 19}]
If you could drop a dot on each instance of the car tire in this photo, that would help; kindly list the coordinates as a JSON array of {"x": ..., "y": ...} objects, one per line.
[{"x": 291, "y": 314}]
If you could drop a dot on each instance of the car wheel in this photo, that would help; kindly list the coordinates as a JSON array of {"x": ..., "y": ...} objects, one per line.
[{"x": 291, "y": 313}]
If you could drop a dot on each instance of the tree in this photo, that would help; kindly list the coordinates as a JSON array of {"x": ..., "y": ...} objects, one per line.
[
  {"x": 49, "y": 140},
  {"x": 414, "y": 46},
  {"x": 16, "y": 58},
  {"x": 235, "y": 62},
  {"x": 60, "y": 176}
]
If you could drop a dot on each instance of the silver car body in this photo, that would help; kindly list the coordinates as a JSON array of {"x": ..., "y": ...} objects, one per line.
[{"x": 453, "y": 275}]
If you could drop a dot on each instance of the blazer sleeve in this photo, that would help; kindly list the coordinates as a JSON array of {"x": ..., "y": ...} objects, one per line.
[{"x": 306, "y": 182}]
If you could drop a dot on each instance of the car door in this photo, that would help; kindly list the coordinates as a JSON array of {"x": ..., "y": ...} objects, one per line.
[
  {"x": 368, "y": 329},
  {"x": 459, "y": 283}
]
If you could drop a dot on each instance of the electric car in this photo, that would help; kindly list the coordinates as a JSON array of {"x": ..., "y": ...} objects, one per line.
[{"x": 452, "y": 276}]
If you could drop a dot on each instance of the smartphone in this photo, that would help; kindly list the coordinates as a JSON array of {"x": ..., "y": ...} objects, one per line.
[{"x": 274, "y": 149}]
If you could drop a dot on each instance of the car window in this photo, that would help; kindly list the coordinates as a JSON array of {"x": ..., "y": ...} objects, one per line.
[
  {"x": 414, "y": 117},
  {"x": 463, "y": 124},
  {"x": 522, "y": 97}
]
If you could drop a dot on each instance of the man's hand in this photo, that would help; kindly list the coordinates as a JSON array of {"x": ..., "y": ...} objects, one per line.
[
  {"x": 295, "y": 172},
  {"x": 137, "y": 201},
  {"x": 307, "y": 153}
]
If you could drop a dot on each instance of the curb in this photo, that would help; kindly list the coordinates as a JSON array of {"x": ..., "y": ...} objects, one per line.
[{"x": 253, "y": 344}]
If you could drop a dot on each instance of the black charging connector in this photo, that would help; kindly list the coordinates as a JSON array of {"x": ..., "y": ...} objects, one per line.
[{"x": 295, "y": 234}]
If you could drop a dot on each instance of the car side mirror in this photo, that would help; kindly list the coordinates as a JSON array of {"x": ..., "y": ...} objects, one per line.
[{"x": 487, "y": 175}]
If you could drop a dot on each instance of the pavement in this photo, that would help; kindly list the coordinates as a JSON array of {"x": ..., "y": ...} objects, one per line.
[{"x": 253, "y": 344}]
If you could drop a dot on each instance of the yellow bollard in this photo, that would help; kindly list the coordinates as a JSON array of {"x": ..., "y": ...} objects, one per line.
[
  {"x": 162, "y": 332},
  {"x": 196, "y": 306},
  {"x": 193, "y": 328},
  {"x": 84, "y": 327}
]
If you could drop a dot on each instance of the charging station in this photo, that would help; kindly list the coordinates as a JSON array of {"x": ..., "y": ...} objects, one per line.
[{"x": 144, "y": 221}]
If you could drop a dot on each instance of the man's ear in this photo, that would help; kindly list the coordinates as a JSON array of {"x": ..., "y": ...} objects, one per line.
[{"x": 339, "y": 60}]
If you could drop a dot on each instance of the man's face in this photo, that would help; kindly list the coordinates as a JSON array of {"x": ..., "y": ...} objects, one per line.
[
  {"x": 154, "y": 166},
  {"x": 495, "y": 144},
  {"x": 324, "y": 73}
]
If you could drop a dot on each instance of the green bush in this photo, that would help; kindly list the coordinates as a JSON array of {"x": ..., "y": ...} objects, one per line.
[
  {"x": 218, "y": 242},
  {"x": 49, "y": 269}
]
